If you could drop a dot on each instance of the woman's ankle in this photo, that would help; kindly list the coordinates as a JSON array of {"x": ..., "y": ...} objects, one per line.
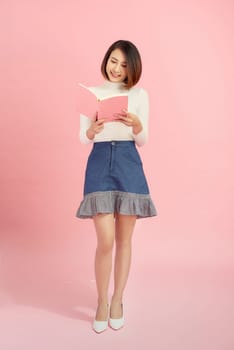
[
  {"x": 102, "y": 312},
  {"x": 102, "y": 301},
  {"x": 117, "y": 299}
]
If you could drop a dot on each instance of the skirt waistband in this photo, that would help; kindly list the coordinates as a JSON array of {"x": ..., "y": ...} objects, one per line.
[{"x": 113, "y": 144}]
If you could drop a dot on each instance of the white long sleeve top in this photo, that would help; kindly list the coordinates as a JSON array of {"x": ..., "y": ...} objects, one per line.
[{"x": 138, "y": 104}]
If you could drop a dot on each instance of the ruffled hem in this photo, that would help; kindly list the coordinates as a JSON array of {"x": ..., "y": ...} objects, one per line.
[{"x": 123, "y": 203}]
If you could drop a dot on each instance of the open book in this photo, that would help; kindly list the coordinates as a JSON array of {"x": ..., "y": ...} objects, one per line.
[{"x": 101, "y": 108}]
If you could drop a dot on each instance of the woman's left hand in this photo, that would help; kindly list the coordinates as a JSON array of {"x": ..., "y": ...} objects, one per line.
[{"x": 132, "y": 120}]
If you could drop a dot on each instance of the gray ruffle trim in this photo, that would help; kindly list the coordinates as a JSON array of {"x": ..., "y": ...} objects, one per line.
[{"x": 123, "y": 203}]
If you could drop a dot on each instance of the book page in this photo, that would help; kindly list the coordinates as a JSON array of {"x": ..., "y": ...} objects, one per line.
[
  {"x": 101, "y": 108},
  {"x": 87, "y": 102},
  {"x": 108, "y": 107}
]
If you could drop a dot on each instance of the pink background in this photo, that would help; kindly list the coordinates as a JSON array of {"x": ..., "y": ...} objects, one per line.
[{"x": 182, "y": 273}]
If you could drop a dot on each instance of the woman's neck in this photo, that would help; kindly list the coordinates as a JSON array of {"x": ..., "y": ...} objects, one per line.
[{"x": 114, "y": 85}]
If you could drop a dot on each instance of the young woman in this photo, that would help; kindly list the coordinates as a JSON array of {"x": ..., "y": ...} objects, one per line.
[{"x": 116, "y": 191}]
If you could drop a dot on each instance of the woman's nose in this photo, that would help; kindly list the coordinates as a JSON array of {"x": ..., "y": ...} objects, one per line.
[{"x": 117, "y": 68}]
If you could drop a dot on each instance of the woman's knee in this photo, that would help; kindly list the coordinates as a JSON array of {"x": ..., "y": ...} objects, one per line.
[
  {"x": 105, "y": 230},
  {"x": 105, "y": 246}
]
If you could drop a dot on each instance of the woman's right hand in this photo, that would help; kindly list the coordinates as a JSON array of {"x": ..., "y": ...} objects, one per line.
[{"x": 95, "y": 128}]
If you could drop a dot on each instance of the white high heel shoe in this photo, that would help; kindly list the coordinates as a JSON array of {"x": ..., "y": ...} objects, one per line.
[
  {"x": 100, "y": 326},
  {"x": 117, "y": 323}
]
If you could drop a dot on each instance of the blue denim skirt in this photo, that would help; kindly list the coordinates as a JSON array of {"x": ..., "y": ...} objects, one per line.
[{"x": 115, "y": 182}]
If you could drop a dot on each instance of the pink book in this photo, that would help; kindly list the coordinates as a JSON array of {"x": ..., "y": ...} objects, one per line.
[{"x": 101, "y": 108}]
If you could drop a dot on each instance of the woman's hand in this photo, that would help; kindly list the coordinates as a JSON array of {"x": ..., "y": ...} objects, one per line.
[
  {"x": 132, "y": 120},
  {"x": 95, "y": 128}
]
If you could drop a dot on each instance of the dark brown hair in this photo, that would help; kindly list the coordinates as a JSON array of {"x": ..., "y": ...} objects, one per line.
[{"x": 134, "y": 64}]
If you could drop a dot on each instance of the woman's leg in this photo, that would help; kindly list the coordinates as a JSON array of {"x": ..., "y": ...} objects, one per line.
[
  {"x": 124, "y": 226},
  {"x": 105, "y": 230}
]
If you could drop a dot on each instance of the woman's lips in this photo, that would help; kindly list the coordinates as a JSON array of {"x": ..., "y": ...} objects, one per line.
[{"x": 115, "y": 75}]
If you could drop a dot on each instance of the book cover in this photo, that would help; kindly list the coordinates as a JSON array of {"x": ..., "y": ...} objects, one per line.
[{"x": 101, "y": 108}]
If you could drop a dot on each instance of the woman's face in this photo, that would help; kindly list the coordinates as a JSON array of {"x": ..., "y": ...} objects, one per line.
[{"x": 116, "y": 67}]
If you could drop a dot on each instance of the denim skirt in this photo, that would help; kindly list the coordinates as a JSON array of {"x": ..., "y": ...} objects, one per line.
[{"x": 115, "y": 182}]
